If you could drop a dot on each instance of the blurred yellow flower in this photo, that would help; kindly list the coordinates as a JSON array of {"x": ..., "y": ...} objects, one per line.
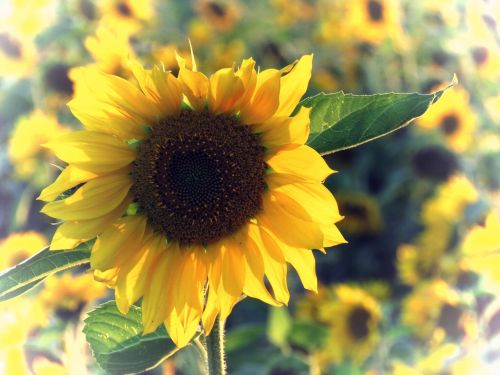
[
  {"x": 43, "y": 366},
  {"x": 221, "y": 14},
  {"x": 481, "y": 250},
  {"x": 434, "y": 364},
  {"x": 125, "y": 17},
  {"x": 68, "y": 294},
  {"x": 18, "y": 56},
  {"x": 291, "y": 11},
  {"x": 454, "y": 117},
  {"x": 30, "y": 17},
  {"x": 18, "y": 317},
  {"x": 361, "y": 212},
  {"x": 26, "y": 153},
  {"x": 18, "y": 247},
  {"x": 110, "y": 51},
  {"x": 219, "y": 205}
]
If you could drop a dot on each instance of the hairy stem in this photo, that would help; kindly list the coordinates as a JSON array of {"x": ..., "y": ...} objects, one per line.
[{"x": 216, "y": 361}]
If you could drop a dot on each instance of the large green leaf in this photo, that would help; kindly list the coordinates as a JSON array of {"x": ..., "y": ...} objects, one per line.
[
  {"x": 26, "y": 275},
  {"x": 340, "y": 121},
  {"x": 118, "y": 343}
]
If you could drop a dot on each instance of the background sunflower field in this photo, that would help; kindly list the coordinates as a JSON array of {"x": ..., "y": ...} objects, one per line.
[{"x": 415, "y": 291}]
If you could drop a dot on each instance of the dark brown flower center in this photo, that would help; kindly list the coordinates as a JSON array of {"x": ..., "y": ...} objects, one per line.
[
  {"x": 124, "y": 9},
  {"x": 375, "y": 10},
  {"x": 435, "y": 163},
  {"x": 218, "y": 10},
  {"x": 449, "y": 320},
  {"x": 357, "y": 323},
  {"x": 10, "y": 46},
  {"x": 87, "y": 9},
  {"x": 480, "y": 55},
  {"x": 449, "y": 124},
  {"x": 199, "y": 177},
  {"x": 56, "y": 78}
]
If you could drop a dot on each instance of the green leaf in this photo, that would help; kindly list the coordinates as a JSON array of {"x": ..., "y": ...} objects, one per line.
[
  {"x": 243, "y": 336},
  {"x": 118, "y": 344},
  {"x": 278, "y": 326},
  {"x": 340, "y": 121},
  {"x": 26, "y": 275}
]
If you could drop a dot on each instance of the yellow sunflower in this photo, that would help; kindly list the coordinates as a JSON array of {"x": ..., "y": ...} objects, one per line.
[
  {"x": 374, "y": 21},
  {"x": 18, "y": 318},
  {"x": 25, "y": 151},
  {"x": 353, "y": 317},
  {"x": 434, "y": 363},
  {"x": 68, "y": 294},
  {"x": 454, "y": 117},
  {"x": 221, "y": 14},
  {"x": 125, "y": 17},
  {"x": 18, "y": 56},
  {"x": 481, "y": 250},
  {"x": 191, "y": 183},
  {"x": 18, "y": 247},
  {"x": 362, "y": 213},
  {"x": 434, "y": 312},
  {"x": 110, "y": 51}
]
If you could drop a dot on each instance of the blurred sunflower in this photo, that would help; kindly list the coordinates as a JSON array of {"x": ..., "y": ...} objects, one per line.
[
  {"x": 481, "y": 250},
  {"x": 353, "y": 317},
  {"x": 31, "y": 17},
  {"x": 19, "y": 318},
  {"x": 454, "y": 117},
  {"x": 221, "y": 14},
  {"x": 291, "y": 12},
  {"x": 361, "y": 211},
  {"x": 67, "y": 295},
  {"x": 435, "y": 363},
  {"x": 110, "y": 51},
  {"x": 223, "y": 188},
  {"x": 374, "y": 21},
  {"x": 18, "y": 56},
  {"x": 125, "y": 17},
  {"x": 433, "y": 311},
  {"x": 25, "y": 151},
  {"x": 18, "y": 247},
  {"x": 86, "y": 9}
]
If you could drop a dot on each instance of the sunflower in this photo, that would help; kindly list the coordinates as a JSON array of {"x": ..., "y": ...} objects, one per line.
[
  {"x": 19, "y": 317},
  {"x": 353, "y": 317},
  {"x": 194, "y": 183},
  {"x": 18, "y": 56},
  {"x": 362, "y": 213},
  {"x": 110, "y": 51},
  {"x": 221, "y": 14},
  {"x": 125, "y": 17},
  {"x": 454, "y": 117},
  {"x": 434, "y": 363},
  {"x": 481, "y": 250},
  {"x": 67, "y": 295},
  {"x": 18, "y": 247},
  {"x": 433, "y": 311},
  {"x": 25, "y": 149},
  {"x": 291, "y": 12},
  {"x": 374, "y": 21}
]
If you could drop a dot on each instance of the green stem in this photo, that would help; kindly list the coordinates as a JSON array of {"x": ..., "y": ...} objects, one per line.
[{"x": 216, "y": 361}]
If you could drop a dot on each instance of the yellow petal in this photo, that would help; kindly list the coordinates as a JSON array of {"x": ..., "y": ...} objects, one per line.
[
  {"x": 114, "y": 244},
  {"x": 285, "y": 132},
  {"x": 248, "y": 77},
  {"x": 265, "y": 98},
  {"x": 304, "y": 263},
  {"x": 195, "y": 87},
  {"x": 225, "y": 91},
  {"x": 91, "y": 151},
  {"x": 169, "y": 91},
  {"x": 67, "y": 179},
  {"x": 255, "y": 271},
  {"x": 294, "y": 85},
  {"x": 182, "y": 326},
  {"x": 96, "y": 198},
  {"x": 297, "y": 231},
  {"x": 302, "y": 161},
  {"x": 331, "y": 235},
  {"x": 306, "y": 195},
  {"x": 71, "y": 233},
  {"x": 274, "y": 264},
  {"x": 131, "y": 280},
  {"x": 233, "y": 271},
  {"x": 211, "y": 311}
]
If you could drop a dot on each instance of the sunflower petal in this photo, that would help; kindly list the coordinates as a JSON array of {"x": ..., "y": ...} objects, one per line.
[
  {"x": 265, "y": 98},
  {"x": 91, "y": 151},
  {"x": 302, "y": 161},
  {"x": 225, "y": 91},
  {"x": 110, "y": 248},
  {"x": 294, "y": 85},
  {"x": 96, "y": 198},
  {"x": 67, "y": 179}
]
